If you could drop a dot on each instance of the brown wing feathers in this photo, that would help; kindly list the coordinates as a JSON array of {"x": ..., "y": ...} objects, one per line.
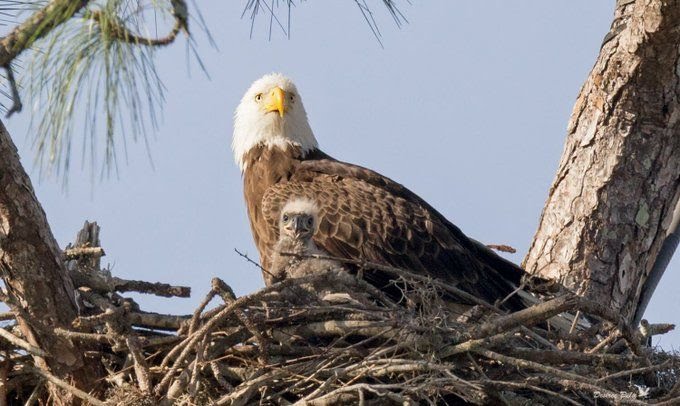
[{"x": 364, "y": 215}]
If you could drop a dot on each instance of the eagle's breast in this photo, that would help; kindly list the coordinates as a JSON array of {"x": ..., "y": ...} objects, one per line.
[{"x": 265, "y": 167}]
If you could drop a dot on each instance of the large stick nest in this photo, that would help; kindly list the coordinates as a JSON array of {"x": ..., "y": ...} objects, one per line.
[{"x": 332, "y": 338}]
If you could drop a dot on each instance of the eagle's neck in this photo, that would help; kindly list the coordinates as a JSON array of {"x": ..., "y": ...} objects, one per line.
[{"x": 296, "y": 246}]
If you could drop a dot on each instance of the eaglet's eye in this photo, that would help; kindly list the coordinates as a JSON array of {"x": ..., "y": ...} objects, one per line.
[
  {"x": 258, "y": 97},
  {"x": 285, "y": 218},
  {"x": 310, "y": 221}
]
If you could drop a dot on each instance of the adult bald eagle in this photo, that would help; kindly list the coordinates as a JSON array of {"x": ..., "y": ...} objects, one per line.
[{"x": 362, "y": 214}]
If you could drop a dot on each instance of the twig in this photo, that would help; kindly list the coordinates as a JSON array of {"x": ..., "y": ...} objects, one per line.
[
  {"x": 75, "y": 335},
  {"x": 336, "y": 396},
  {"x": 228, "y": 296},
  {"x": 103, "y": 283},
  {"x": 14, "y": 340},
  {"x": 526, "y": 317},
  {"x": 117, "y": 30},
  {"x": 574, "y": 323},
  {"x": 502, "y": 248},
  {"x": 611, "y": 337},
  {"x": 635, "y": 371},
  {"x": 470, "y": 345},
  {"x": 199, "y": 310},
  {"x": 159, "y": 341},
  {"x": 215, "y": 368},
  {"x": 158, "y": 289},
  {"x": 158, "y": 321},
  {"x": 141, "y": 367},
  {"x": 524, "y": 385},
  {"x": 521, "y": 363},
  {"x": 594, "y": 389},
  {"x": 573, "y": 357},
  {"x": 72, "y": 389},
  {"x": 34, "y": 394},
  {"x": 198, "y": 366},
  {"x": 247, "y": 389},
  {"x": 4, "y": 316},
  {"x": 247, "y": 258}
]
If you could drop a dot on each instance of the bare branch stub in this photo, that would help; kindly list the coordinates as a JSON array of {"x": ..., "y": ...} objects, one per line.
[{"x": 83, "y": 263}]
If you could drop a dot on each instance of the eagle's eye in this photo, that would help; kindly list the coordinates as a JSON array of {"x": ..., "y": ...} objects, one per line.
[
  {"x": 291, "y": 98},
  {"x": 285, "y": 218},
  {"x": 310, "y": 221},
  {"x": 258, "y": 97}
]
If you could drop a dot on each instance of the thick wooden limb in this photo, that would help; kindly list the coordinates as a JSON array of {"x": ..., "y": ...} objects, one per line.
[
  {"x": 38, "y": 287},
  {"x": 610, "y": 207}
]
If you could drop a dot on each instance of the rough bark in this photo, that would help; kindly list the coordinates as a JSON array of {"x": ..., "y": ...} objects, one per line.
[
  {"x": 38, "y": 288},
  {"x": 611, "y": 204}
]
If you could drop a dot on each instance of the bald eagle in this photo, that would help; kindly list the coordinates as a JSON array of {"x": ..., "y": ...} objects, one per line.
[
  {"x": 363, "y": 215},
  {"x": 297, "y": 225}
]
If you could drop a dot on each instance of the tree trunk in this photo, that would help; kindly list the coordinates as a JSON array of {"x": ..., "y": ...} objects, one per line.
[
  {"x": 38, "y": 288},
  {"x": 611, "y": 204}
]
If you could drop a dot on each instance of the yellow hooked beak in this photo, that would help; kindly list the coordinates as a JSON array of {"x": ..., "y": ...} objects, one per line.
[{"x": 275, "y": 101}]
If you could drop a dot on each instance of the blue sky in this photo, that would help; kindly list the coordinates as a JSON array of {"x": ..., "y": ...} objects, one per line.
[{"x": 467, "y": 105}]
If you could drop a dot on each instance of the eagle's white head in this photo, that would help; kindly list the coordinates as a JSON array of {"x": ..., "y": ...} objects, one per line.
[{"x": 271, "y": 113}]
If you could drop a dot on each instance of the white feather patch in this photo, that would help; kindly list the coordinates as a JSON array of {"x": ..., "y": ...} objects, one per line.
[
  {"x": 301, "y": 205},
  {"x": 253, "y": 126}
]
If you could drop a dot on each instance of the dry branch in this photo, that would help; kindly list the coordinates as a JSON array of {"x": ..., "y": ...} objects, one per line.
[
  {"x": 18, "y": 342},
  {"x": 69, "y": 388},
  {"x": 291, "y": 344}
]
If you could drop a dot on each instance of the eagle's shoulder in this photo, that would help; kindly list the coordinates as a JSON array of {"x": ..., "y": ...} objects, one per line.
[{"x": 358, "y": 176}]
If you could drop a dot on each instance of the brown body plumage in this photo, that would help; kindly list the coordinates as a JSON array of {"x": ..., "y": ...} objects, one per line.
[{"x": 362, "y": 214}]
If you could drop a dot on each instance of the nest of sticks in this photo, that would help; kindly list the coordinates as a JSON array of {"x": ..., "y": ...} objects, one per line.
[{"x": 333, "y": 338}]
